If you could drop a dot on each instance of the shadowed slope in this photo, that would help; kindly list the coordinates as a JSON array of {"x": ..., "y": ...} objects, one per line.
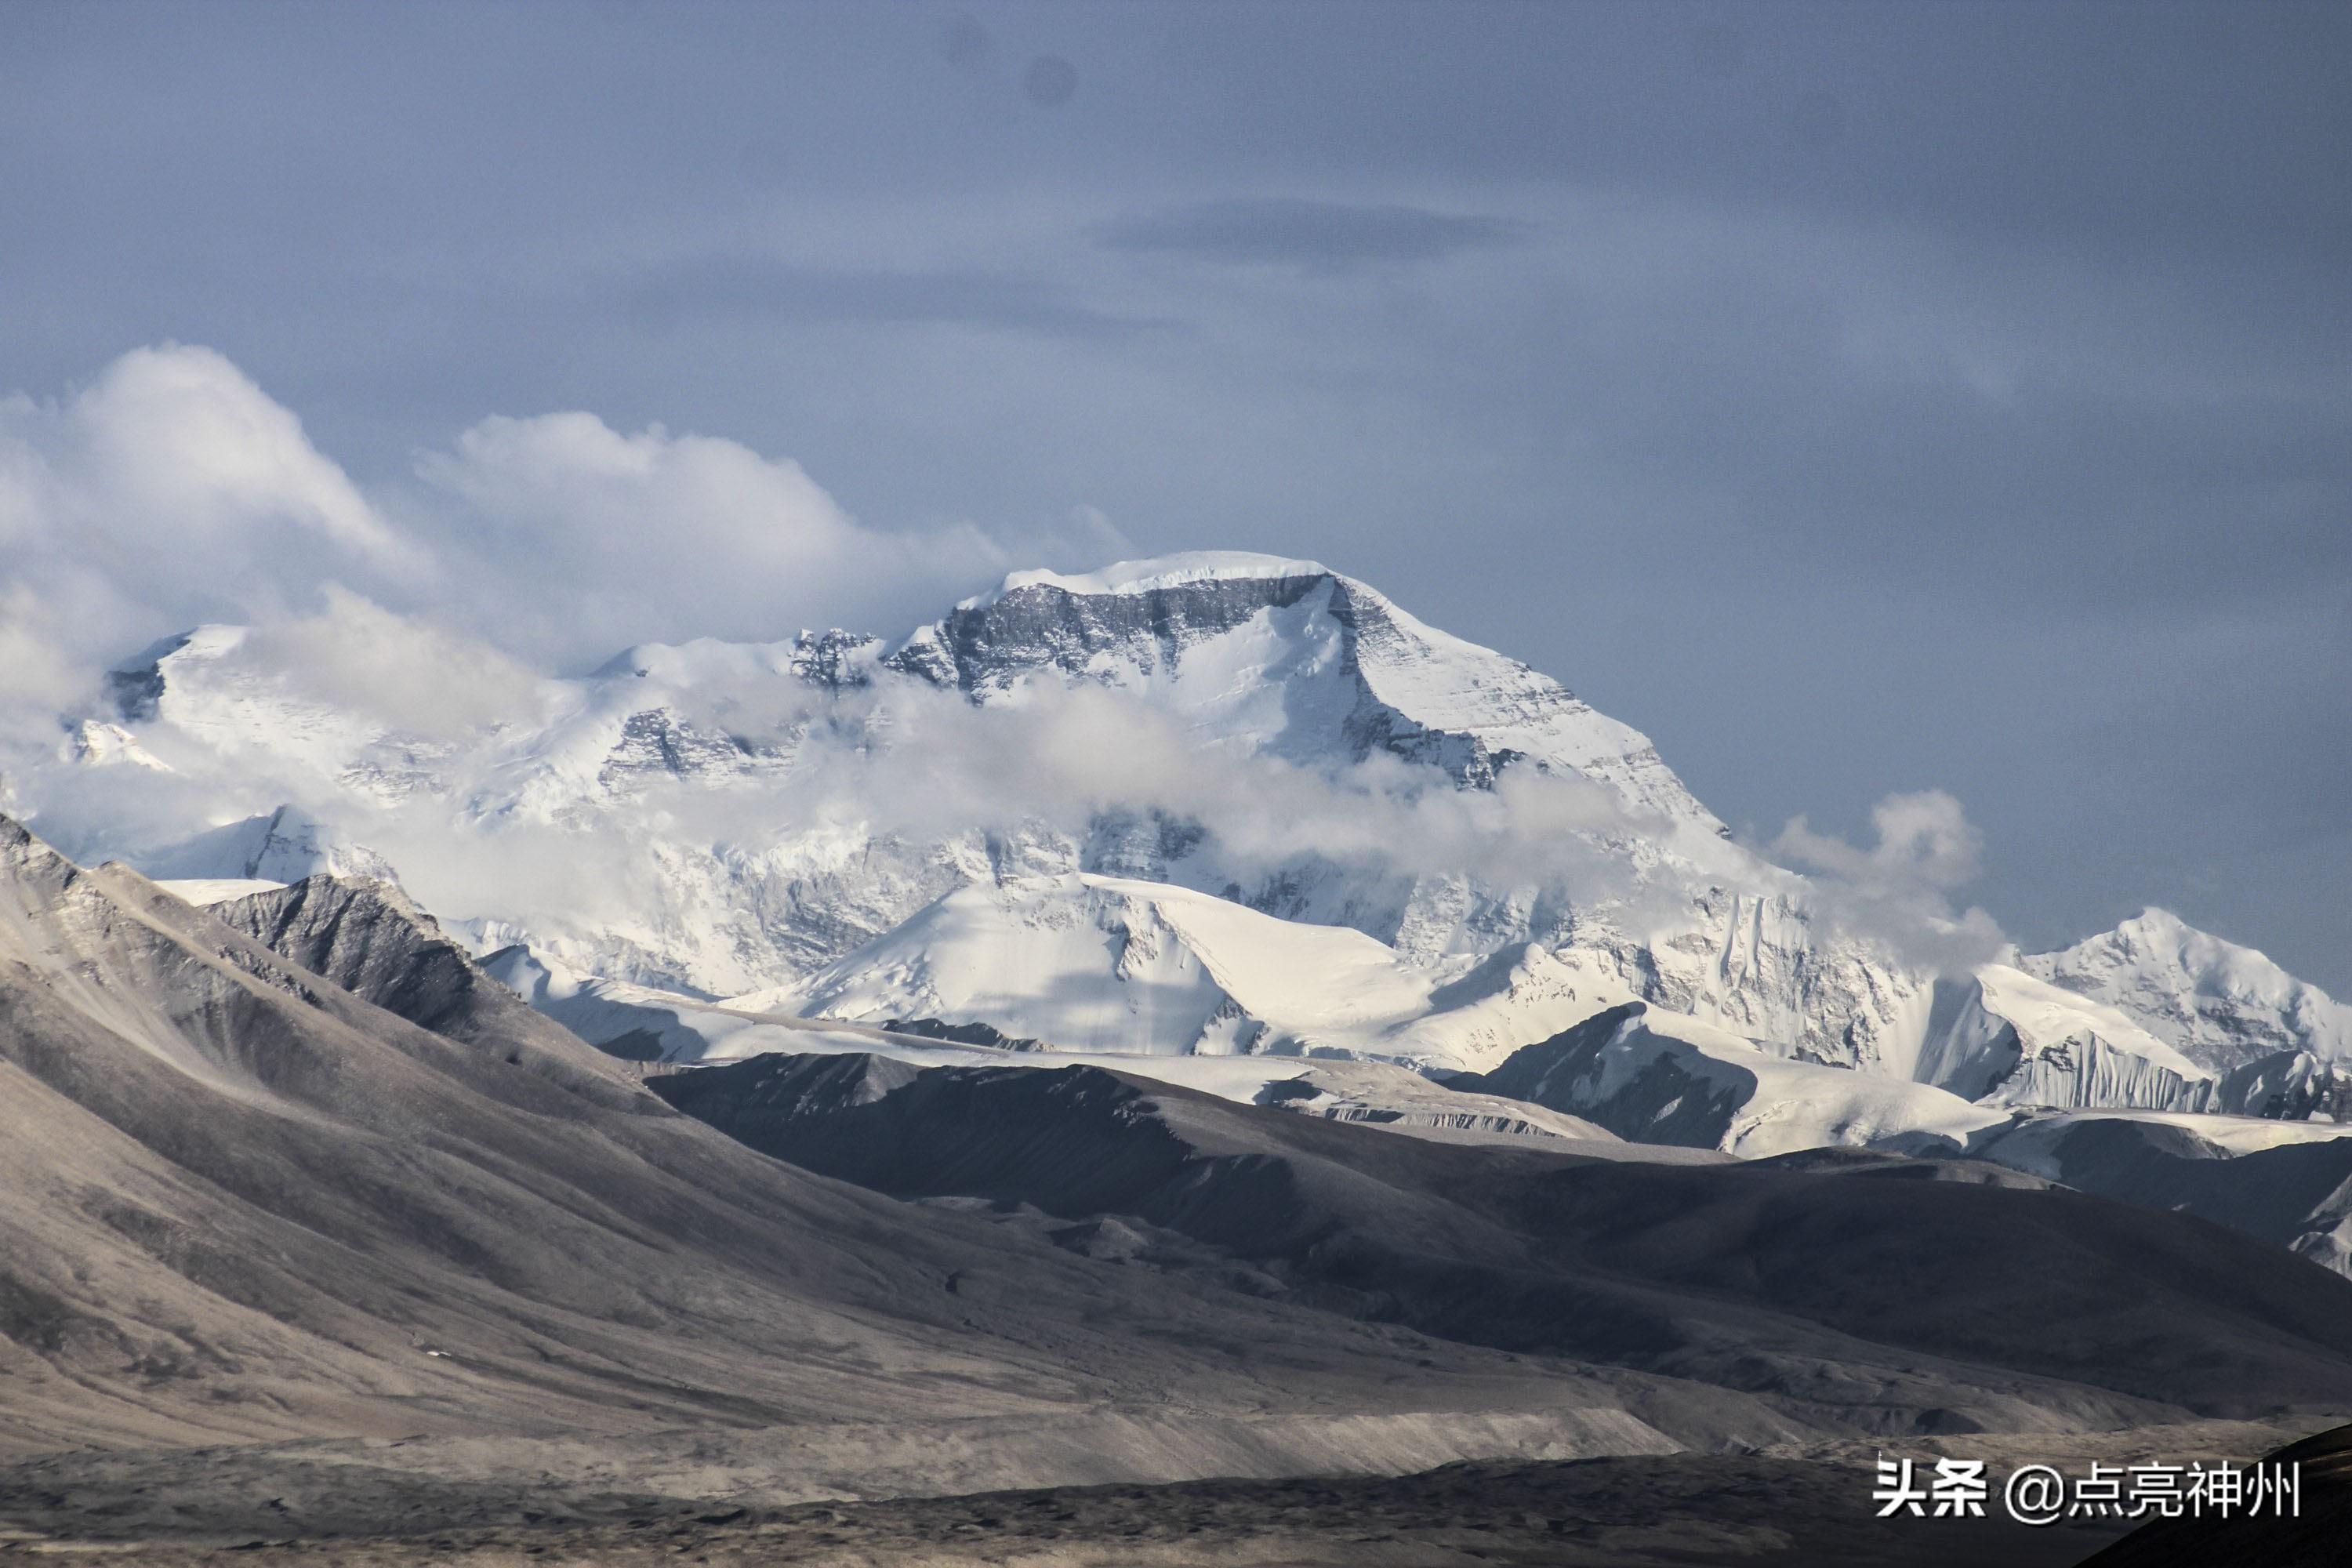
[
  {"x": 2295, "y": 1193},
  {"x": 1855, "y": 1295}
]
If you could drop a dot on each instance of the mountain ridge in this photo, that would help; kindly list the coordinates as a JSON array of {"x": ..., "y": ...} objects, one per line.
[
  {"x": 250, "y": 1205},
  {"x": 748, "y": 771}
]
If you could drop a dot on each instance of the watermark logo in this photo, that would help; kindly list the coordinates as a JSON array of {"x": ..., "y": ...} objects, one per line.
[
  {"x": 2041, "y": 1495},
  {"x": 1957, "y": 1489}
]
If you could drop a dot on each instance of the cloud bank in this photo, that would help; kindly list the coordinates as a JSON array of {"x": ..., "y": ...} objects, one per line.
[{"x": 173, "y": 490}]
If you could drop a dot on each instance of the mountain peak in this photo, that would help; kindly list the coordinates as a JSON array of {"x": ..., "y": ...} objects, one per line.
[
  {"x": 2223, "y": 1003},
  {"x": 2157, "y": 933},
  {"x": 1158, "y": 571},
  {"x": 1294, "y": 660}
]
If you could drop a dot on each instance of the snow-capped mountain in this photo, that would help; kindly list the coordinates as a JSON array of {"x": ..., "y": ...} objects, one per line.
[
  {"x": 1308, "y": 678},
  {"x": 1249, "y": 657},
  {"x": 2222, "y": 1003},
  {"x": 1217, "y": 803},
  {"x": 285, "y": 846},
  {"x": 1289, "y": 658}
]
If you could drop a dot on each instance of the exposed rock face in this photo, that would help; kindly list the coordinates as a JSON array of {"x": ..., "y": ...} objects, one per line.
[
  {"x": 657, "y": 742},
  {"x": 1654, "y": 1078},
  {"x": 136, "y": 686},
  {"x": 369, "y": 939},
  {"x": 2292, "y": 1186},
  {"x": 2291, "y": 1086},
  {"x": 1665, "y": 1098},
  {"x": 1660, "y": 1078},
  {"x": 960, "y": 1034}
]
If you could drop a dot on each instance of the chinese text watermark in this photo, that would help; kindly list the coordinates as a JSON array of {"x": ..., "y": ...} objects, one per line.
[{"x": 2040, "y": 1494}]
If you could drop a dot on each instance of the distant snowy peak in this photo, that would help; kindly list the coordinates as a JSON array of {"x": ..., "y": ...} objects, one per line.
[
  {"x": 1254, "y": 653},
  {"x": 2219, "y": 1003},
  {"x": 1292, "y": 658},
  {"x": 1161, "y": 572}
]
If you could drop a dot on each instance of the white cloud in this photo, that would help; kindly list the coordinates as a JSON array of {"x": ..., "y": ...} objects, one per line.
[
  {"x": 37, "y": 674},
  {"x": 1925, "y": 841},
  {"x": 585, "y": 539},
  {"x": 926, "y": 764},
  {"x": 1898, "y": 890},
  {"x": 180, "y": 439},
  {"x": 408, "y": 673},
  {"x": 174, "y": 491},
  {"x": 169, "y": 491}
]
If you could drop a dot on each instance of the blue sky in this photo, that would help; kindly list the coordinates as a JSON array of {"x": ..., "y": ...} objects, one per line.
[{"x": 1857, "y": 398}]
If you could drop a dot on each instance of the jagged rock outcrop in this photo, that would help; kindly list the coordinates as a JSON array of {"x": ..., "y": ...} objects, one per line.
[
  {"x": 1381, "y": 681},
  {"x": 367, "y": 937}
]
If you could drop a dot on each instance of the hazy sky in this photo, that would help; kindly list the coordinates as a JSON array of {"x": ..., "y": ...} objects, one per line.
[{"x": 1857, "y": 398}]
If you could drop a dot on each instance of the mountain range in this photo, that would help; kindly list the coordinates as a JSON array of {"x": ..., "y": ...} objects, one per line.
[
  {"x": 1216, "y": 804},
  {"x": 1215, "y": 815},
  {"x": 1191, "y": 1019},
  {"x": 281, "y": 1199}
]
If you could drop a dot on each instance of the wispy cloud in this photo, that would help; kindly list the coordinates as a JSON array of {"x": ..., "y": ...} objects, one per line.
[
  {"x": 770, "y": 289},
  {"x": 1899, "y": 889},
  {"x": 1316, "y": 236}
]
